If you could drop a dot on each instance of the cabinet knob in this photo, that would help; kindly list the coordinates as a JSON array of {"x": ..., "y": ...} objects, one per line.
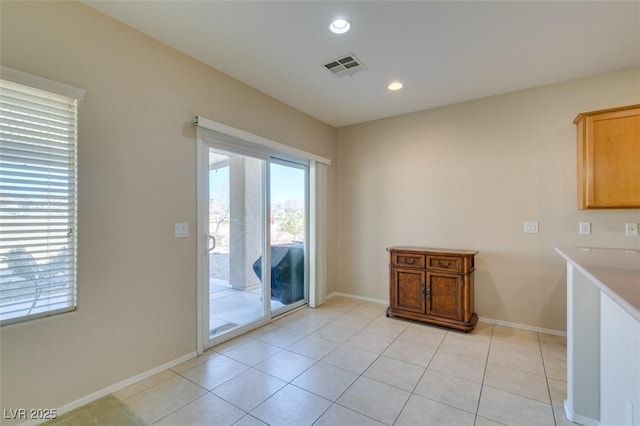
[{"x": 443, "y": 265}]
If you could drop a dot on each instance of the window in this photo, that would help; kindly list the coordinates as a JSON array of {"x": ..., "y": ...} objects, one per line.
[{"x": 38, "y": 201}]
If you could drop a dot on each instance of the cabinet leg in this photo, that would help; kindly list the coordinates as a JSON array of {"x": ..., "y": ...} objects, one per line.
[{"x": 387, "y": 314}]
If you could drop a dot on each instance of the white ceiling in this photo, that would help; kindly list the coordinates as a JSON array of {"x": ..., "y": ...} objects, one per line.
[{"x": 443, "y": 52}]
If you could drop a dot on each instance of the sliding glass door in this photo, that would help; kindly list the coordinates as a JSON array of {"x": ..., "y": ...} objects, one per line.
[
  {"x": 288, "y": 201},
  {"x": 234, "y": 241},
  {"x": 255, "y": 214}
]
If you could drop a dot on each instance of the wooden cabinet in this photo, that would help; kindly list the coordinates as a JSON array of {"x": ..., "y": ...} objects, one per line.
[
  {"x": 432, "y": 285},
  {"x": 609, "y": 158}
]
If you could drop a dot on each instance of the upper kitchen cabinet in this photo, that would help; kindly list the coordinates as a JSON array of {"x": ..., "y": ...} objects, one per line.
[{"x": 609, "y": 158}]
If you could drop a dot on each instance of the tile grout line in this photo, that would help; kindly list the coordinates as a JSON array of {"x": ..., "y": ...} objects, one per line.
[
  {"x": 421, "y": 376},
  {"x": 539, "y": 348},
  {"x": 546, "y": 379},
  {"x": 486, "y": 363},
  {"x": 317, "y": 362},
  {"x": 359, "y": 376},
  {"x": 287, "y": 382},
  {"x": 412, "y": 392}
]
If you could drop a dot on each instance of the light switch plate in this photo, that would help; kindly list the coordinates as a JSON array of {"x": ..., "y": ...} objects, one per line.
[
  {"x": 181, "y": 230},
  {"x": 585, "y": 228},
  {"x": 531, "y": 227},
  {"x": 631, "y": 229}
]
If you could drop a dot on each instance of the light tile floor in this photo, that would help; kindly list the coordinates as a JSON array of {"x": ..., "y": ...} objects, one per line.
[{"x": 345, "y": 363}]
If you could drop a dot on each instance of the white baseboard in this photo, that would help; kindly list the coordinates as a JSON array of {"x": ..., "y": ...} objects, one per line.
[
  {"x": 482, "y": 319},
  {"x": 116, "y": 387},
  {"x": 523, "y": 326},
  {"x": 353, "y": 296},
  {"x": 575, "y": 418}
]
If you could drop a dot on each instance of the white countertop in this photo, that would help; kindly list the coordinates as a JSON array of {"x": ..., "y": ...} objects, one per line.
[{"x": 615, "y": 271}]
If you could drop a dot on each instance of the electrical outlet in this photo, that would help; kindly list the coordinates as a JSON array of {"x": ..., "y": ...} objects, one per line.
[
  {"x": 585, "y": 228},
  {"x": 631, "y": 229},
  {"x": 531, "y": 227}
]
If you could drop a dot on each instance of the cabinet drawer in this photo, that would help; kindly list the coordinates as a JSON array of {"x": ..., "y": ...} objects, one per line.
[
  {"x": 445, "y": 263},
  {"x": 408, "y": 260}
]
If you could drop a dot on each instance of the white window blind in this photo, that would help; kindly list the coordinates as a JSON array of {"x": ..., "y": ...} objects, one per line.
[{"x": 38, "y": 202}]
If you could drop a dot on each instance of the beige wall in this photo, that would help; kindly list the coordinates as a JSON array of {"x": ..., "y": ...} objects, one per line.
[
  {"x": 467, "y": 176},
  {"x": 137, "y": 284}
]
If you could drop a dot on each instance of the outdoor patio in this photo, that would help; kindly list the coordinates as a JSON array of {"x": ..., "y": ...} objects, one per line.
[{"x": 229, "y": 307}]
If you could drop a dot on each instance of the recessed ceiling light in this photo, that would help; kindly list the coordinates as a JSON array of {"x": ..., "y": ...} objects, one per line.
[
  {"x": 340, "y": 26},
  {"x": 395, "y": 85}
]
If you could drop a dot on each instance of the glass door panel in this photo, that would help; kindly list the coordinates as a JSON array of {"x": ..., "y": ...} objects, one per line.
[
  {"x": 288, "y": 234},
  {"x": 235, "y": 241}
]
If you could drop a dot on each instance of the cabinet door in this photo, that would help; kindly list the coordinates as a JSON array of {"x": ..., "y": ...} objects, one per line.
[
  {"x": 444, "y": 295},
  {"x": 608, "y": 156},
  {"x": 409, "y": 290}
]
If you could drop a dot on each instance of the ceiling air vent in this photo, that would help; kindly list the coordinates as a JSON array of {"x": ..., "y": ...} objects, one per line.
[{"x": 345, "y": 65}]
